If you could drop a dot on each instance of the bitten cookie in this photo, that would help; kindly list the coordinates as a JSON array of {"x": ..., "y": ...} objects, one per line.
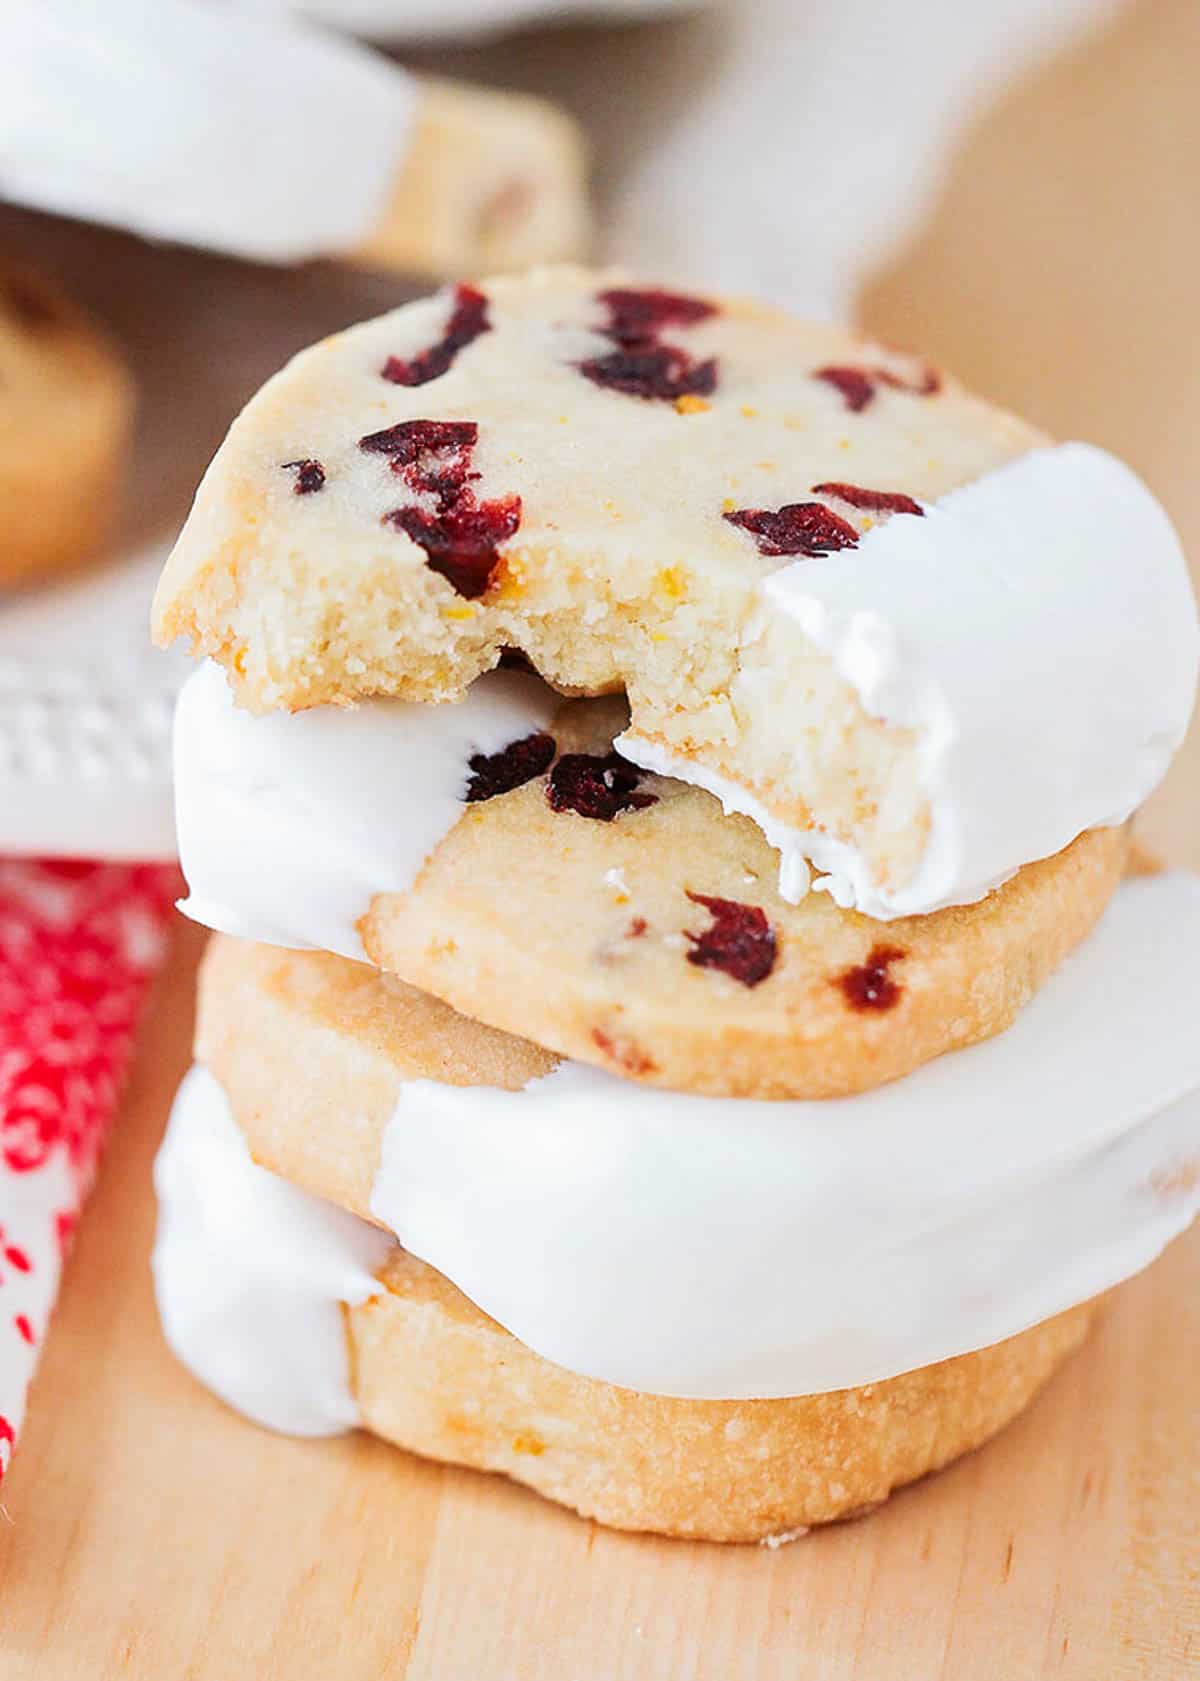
[
  {"x": 600, "y": 476},
  {"x": 837, "y": 590},
  {"x": 66, "y": 406}
]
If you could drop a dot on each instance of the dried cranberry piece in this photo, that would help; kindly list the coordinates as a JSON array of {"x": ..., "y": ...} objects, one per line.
[
  {"x": 596, "y": 785},
  {"x": 869, "y": 986},
  {"x": 741, "y": 942},
  {"x": 641, "y": 365},
  {"x": 467, "y": 322},
  {"x": 857, "y": 385},
  {"x": 410, "y": 439},
  {"x": 798, "y": 528},
  {"x": 660, "y": 372},
  {"x": 520, "y": 762},
  {"x": 310, "y": 476},
  {"x": 461, "y": 541},
  {"x": 929, "y": 384},
  {"x": 874, "y": 501},
  {"x": 460, "y": 535},
  {"x": 639, "y": 317},
  {"x": 857, "y": 388}
]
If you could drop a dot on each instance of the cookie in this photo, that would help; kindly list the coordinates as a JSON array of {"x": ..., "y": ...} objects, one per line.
[
  {"x": 835, "y": 587},
  {"x": 66, "y": 406},
  {"x": 490, "y": 181},
  {"x": 502, "y": 858},
  {"x": 436, "y": 1376},
  {"x": 310, "y": 1322},
  {"x": 734, "y": 1249}
]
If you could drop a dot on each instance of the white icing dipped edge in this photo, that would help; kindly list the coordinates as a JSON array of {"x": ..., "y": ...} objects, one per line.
[
  {"x": 1038, "y": 631},
  {"x": 289, "y": 824},
  {"x": 723, "y": 1248},
  {"x": 251, "y": 1273},
  {"x": 205, "y": 124}
]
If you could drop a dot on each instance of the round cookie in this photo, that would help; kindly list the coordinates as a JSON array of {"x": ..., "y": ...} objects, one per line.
[
  {"x": 66, "y": 407},
  {"x": 602, "y": 477},
  {"x": 656, "y": 944},
  {"x": 435, "y": 1375}
]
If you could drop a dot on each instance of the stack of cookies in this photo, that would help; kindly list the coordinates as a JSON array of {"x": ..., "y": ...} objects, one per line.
[{"x": 685, "y": 1028}]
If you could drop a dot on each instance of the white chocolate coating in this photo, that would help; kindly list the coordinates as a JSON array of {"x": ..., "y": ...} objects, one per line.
[
  {"x": 251, "y": 1273},
  {"x": 204, "y": 124},
  {"x": 289, "y": 824},
  {"x": 725, "y": 1248}
]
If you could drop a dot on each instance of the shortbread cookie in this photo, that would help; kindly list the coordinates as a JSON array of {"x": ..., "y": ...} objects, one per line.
[
  {"x": 311, "y": 1322},
  {"x": 489, "y": 181},
  {"x": 722, "y": 1249},
  {"x": 836, "y": 588},
  {"x": 436, "y": 1376},
  {"x": 637, "y": 927},
  {"x": 66, "y": 403},
  {"x": 503, "y": 858}
]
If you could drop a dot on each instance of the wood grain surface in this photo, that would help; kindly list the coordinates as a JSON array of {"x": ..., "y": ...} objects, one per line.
[{"x": 150, "y": 1533}]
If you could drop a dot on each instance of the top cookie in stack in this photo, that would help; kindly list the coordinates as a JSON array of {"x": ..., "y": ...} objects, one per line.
[
  {"x": 836, "y": 691},
  {"x": 914, "y": 646}
]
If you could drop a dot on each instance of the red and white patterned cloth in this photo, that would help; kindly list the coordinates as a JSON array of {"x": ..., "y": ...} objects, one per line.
[{"x": 79, "y": 945}]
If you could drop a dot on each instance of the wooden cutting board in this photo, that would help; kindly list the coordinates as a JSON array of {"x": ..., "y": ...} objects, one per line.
[{"x": 149, "y": 1533}]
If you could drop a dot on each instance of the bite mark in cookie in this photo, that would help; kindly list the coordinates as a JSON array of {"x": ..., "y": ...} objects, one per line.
[
  {"x": 461, "y": 536},
  {"x": 641, "y": 365},
  {"x": 798, "y": 528},
  {"x": 468, "y": 320},
  {"x": 310, "y": 476},
  {"x": 869, "y": 985},
  {"x": 741, "y": 942},
  {"x": 596, "y": 785},
  {"x": 520, "y": 762}
]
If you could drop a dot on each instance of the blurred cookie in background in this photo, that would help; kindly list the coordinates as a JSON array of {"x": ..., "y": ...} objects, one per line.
[
  {"x": 254, "y": 133},
  {"x": 66, "y": 408}
]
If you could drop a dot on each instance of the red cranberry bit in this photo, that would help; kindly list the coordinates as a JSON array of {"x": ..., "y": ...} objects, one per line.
[
  {"x": 857, "y": 385},
  {"x": 636, "y": 928},
  {"x": 869, "y": 986},
  {"x": 873, "y": 501},
  {"x": 596, "y": 785},
  {"x": 461, "y": 541},
  {"x": 929, "y": 384},
  {"x": 411, "y": 439},
  {"x": 310, "y": 476},
  {"x": 857, "y": 388},
  {"x": 467, "y": 322},
  {"x": 741, "y": 942},
  {"x": 641, "y": 365},
  {"x": 639, "y": 317},
  {"x": 660, "y": 373},
  {"x": 799, "y": 528},
  {"x": 460, "y": 535},
  {"x": 520, "y": 762}
]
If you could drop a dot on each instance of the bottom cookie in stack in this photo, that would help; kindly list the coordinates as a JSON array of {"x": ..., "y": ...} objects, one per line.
[{"x": 711, "y": 1317}]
